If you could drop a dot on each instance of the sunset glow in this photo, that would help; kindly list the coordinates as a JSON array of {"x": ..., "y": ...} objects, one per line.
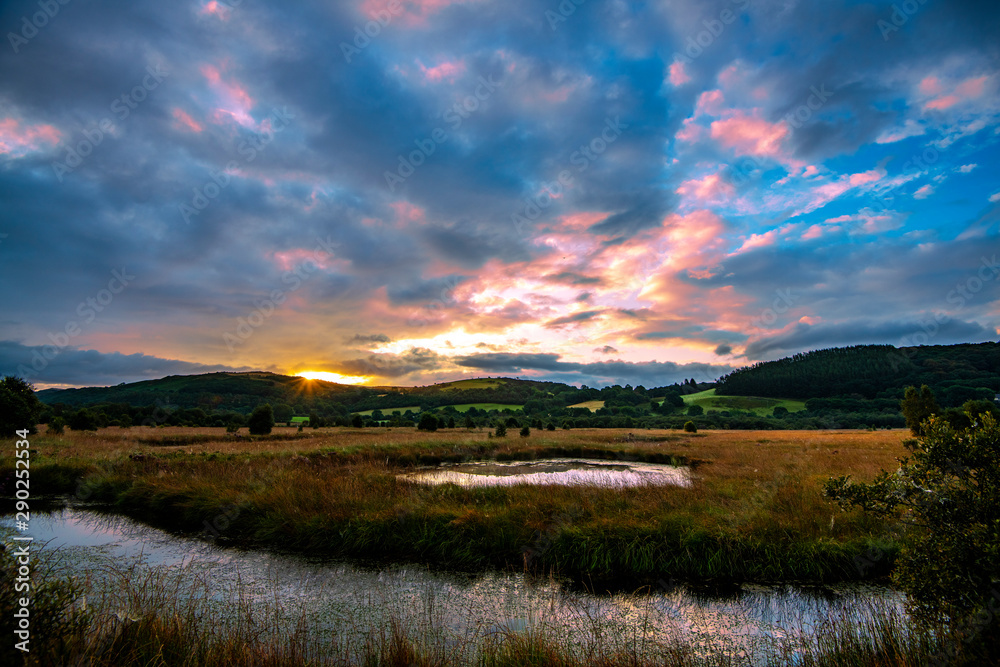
[{"x": 332, "y": 377}]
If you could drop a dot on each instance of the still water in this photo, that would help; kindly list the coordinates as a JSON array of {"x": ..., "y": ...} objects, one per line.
[
  {"x": 341, "y": 604},
  {"x": 567, "y": 472}
]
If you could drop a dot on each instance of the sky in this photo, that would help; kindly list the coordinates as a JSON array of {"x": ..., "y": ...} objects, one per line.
[{"x": 411, "y": 191}]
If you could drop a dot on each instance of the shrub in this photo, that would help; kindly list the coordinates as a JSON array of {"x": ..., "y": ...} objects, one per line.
[
  {"x": 525, "y": 431},
  {"x": 695, "y": 411},
  {"x": 56, "y": 426},
  {"x": 780, "y": 412},
  {"x": 261, "y": 420},
  {"x": 83, "y": 420},
  {"x": 949, "y": 488},
  {"x": 501, "y": 430},
  {"x": 550, "y": 427},
  {"x": 428, "y": 422},
  {"x": 357, "y": 421},
  {"x": 918, "y": 405},
  {"x": 690, "y": 427},
  {"x": 233, "y": 427}
]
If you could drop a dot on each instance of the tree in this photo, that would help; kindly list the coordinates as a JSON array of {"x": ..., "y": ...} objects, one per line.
[
  {"x": 261, "y": 420},
  {"x": 949, "y": 488},
  {"x": 83, "y": 420},
  {"x": 501, "y": 431},
  {"x": 451, "y": 422},
  {"x": 314, "y": 420},
  {"x": 550, "y": 427},
  {"x": 469, "y": 422},
  {"x": 428, "y": 422},
  {"x": 19, "y": 407},
  {"x": 689, "y": 427},
  {"x": 780, "y": 411},
  {"x": 918, "y": 406},
  {"x": 283, "y": 413},
  {"x": 695, "y": 411},
  {"x": 357, "y": 421},
  {"x": 56, "y": 426},
  {"x": 525, "y": 431}
]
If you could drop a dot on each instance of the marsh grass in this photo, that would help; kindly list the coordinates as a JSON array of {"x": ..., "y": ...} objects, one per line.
[
  {"x": 158, "y": 617},
  {"x": 754, "y": 511}
]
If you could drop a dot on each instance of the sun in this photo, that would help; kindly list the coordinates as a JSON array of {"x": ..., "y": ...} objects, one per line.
[{"x": 333, "y": 377}]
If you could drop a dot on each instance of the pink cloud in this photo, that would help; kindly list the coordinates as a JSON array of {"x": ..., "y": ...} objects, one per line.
[
  {"x": 709, "y": 188},
  {"x": 749, "y": 134},
  {"x": 759, "y": 240},
  {"x": 942, "y": 103},
  {"x": 17, "y": 138},
  {"x": 183, "y": 119},
  {"x": 924, "y": 192},
  {"x": 410, "y": 12},
  {"x": 689, "y": 132},
  {"x": 930, "y": 86},
  {"x": 407, "y": 212},
  {"x": 816, "y": 231},
  {"x": 972, "y": 87},
  {"x": 446, "y": 70},
  {"x": 678, "y": 76},
  {"x": 709, "y": 102},
  {"x": 234, "y": 99}
]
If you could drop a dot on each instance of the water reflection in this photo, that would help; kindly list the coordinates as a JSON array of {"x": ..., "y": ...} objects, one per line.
[
  {"x": 343, "y": 604},
  {"x": 568, "y": 472}
]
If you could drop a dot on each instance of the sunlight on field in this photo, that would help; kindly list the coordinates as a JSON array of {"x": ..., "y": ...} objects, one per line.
[{"x": 333, "y": 377}]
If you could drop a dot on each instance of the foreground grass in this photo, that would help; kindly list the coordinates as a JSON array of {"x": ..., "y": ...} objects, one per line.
[{"x": 754, "y": 511}]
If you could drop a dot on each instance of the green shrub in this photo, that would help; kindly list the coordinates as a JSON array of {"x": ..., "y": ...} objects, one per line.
[
  {"x": 690, "y": 427},
  {"x": 261, "y": 420}
]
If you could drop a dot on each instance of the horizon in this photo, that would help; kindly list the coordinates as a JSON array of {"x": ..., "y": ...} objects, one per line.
[{"x": 404, "y": 193}]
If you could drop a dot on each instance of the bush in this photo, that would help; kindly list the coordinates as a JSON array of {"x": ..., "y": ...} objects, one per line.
[
  {"x": 261, "y": 420},
  {"x": 550, "y": 427},
  {"x": 357, "y": 421},
  {"x": 501, "y": 430},
  {"x": 949, "y": 487},
  {"x": 780, "y": 412},
  {"x": 918, "y": 405},
  {"x": 690, "y": 427},
  {"x": 525, "y": 431},
  {"x": 428, "y": 422},
  {"x": 19, "y": 407},
  {"x": 695, "y": 411},
  {"x": 233, "y": 427},
  {"x": 83, "y": 420},
  {"x": 56, "y": 426}
]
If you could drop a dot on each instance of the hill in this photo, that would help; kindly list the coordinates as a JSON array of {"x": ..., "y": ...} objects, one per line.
[
  {"x": 241, "y": 392},
  {"x": 956, "y": 373}
]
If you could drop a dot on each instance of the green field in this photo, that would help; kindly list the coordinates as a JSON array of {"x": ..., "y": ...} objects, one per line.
[
  {"x": 478, "y": 383},
  {"x": 461, "y": 407},
  {"x": 300, "y": 420},
  {"x": 590, "y": 405},
  {"x": 756, "y": 404}
]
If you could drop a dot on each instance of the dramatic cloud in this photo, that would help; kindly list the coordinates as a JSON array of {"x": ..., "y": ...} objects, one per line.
[{"x": 624, "y": 196}]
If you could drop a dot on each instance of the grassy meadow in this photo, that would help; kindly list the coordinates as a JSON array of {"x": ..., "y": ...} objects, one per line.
[
  {"x": 753, "y": 512},
  {"x": 758, "y": 405}
]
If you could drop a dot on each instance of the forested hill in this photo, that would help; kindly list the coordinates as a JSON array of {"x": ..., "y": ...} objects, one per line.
[
  {"x": 872, "y": 371},
  {"x": 244, "y": 391}
]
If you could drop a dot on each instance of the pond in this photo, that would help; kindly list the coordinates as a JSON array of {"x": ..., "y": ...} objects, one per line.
[
  {"x": 341, "y": 605},
  {"x": 568, "y": 472}
]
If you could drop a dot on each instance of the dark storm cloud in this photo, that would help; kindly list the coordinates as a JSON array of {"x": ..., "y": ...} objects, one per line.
[{"x": 72, "y": 366}]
